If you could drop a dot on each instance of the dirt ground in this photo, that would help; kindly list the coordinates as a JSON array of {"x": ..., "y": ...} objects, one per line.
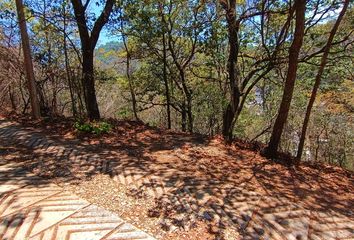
[{"x": 183, "y": 158}]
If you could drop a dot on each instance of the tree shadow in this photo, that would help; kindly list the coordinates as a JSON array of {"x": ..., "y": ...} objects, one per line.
[{"x": 195, "y": 178}]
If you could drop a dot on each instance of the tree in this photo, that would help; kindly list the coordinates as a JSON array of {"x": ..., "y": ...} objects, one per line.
[
  {"x": 128, "y": 73},
  {"x": 318, "y": 79},
  {"x": 183, "y": 32},
  {"x": 261, "y": 55},
  {"x": 28, "y": 61},
  {"x": 229, "y": 114},
  {"x": 88, "y": 43},
  {"x": 164, "y": 60},
  {"x": 294, "y": 50}
]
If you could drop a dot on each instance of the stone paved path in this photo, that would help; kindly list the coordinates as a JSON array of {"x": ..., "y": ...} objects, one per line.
[
  {"x": 27, "y": 201},
  {"x": 33, "y": 208}
]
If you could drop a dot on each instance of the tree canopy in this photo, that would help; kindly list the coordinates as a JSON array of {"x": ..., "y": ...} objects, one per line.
[{"x": 276, "y": 72}]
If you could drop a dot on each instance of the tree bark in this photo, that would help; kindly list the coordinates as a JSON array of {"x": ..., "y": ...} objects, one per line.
[
  {"x": 88, "y": 83},
  {"x": 188, "y": 100},
  {"x": 318, "y": 80},
  {"x": 272, "y": 148},
  {"x": 182, "y": 62},
  {"x": 12, "y": 99},
  {"x": 190, "y": 113},
  {"x": 184, "y": 117},
  {"x": 130, "y": 80},
  {"x": 88, "y": 44},
  {"x": 67, "y": 64},
  {"x": 28, "y": 61},
  {"x": 165, "y": 79},
  {"x": 230, "y": 112},
  {"x": 240, "y": 87},
  {"x": 164, "y": 60}
]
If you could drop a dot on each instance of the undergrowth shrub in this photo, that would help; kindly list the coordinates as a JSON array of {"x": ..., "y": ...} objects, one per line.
[{"x": 93, "y": 127}]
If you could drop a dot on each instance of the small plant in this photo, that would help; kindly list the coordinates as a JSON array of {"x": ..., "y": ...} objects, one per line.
[
  {"x": 93, "y": 127},
  {"x": 101, "y": 127},
  {"x": 124, "y": 113}
]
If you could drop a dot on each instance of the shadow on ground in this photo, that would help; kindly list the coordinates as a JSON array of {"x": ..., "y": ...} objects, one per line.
[{"x": 192, "y": 177}]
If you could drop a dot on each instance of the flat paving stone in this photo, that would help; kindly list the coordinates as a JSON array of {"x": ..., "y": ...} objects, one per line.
[
  {"x": 15, "y": 182},
  {"x": 127, "y": 231},
  {"x": 13, "y": 201},
  {"x": 34, "y": 219},
  {"x": 89, "y": 223},
  {"x": 33, "y": 208},
  {"x": 14, "y": 175}
]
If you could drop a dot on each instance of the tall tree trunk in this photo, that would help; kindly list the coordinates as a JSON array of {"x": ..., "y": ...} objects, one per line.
[
  {"x": 182, "y": 62},
  {"x": 88, "y": 43},
  {"x": 272, "y": 148},
  {"x": 67, "y": 65},
  {"x": 68, "y": 76},
  {"x": 77, "y": 86},
  {"x": 318, "y": 80},
  {"x": 184, "y": 117},
  {"x": 164, "y": 60},
  {"x": 88, "y": 83},
  {"x": 130, "y": 81},
  {"x": 131, "y": 88},
  {"x": 165, "y": 79},
  {"x": 128, "y": 75},
  {"x": 28, "y": 61},
  {"x": 230, "y": 111},
  {"x": 230, "y": 116},
  {"x": 190, "y": 113},
  {"x": 188, "y": 100},
  {"x": 12, "y": 99}
]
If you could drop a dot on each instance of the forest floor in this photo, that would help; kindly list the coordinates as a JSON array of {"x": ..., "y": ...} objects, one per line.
[{"x": 181, "y": 186}]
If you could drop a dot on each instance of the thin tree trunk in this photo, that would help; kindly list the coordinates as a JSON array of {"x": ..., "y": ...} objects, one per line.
[
  {"x": 22, "y": 95},
  {"x": 77, "y": 86},
  {"x": 190, "y": 113},
  {"x": 131, "y": 88},
  {"x": 129, "y": 77},
  {"x": 28, "y": 61},
  {"x": 318, "y": 80},
  {"x": 67, "y": 65},
  {"x": 164, "y": 59},
  {"x": 184, "y": 117},
  {"x": 181, "y": 66},
  {"x": 188, "y": 100},
  {"x": 55, "y": 102},
  {"x": 68, "y": 75},
  {"x": 165, "y": 79},
  {"x": 12, "y": 99},
  {"x": 272, "y": 148}
]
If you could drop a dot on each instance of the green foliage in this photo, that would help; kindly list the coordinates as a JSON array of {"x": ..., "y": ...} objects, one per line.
[
  {"x": 96, "y": 128},
  {"x": 124, "y": 113},
  {"x": 197, "y": 33}
]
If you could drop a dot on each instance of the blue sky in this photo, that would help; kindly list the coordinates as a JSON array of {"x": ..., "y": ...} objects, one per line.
[{"x": 105, "y": 36}]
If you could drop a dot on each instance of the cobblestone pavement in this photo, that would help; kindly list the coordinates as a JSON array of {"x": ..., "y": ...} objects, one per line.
[{"x": 32, "y": 207}]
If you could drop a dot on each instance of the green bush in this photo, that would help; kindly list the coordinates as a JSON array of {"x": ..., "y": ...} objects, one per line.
[{"x": 93, "y": 127}]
